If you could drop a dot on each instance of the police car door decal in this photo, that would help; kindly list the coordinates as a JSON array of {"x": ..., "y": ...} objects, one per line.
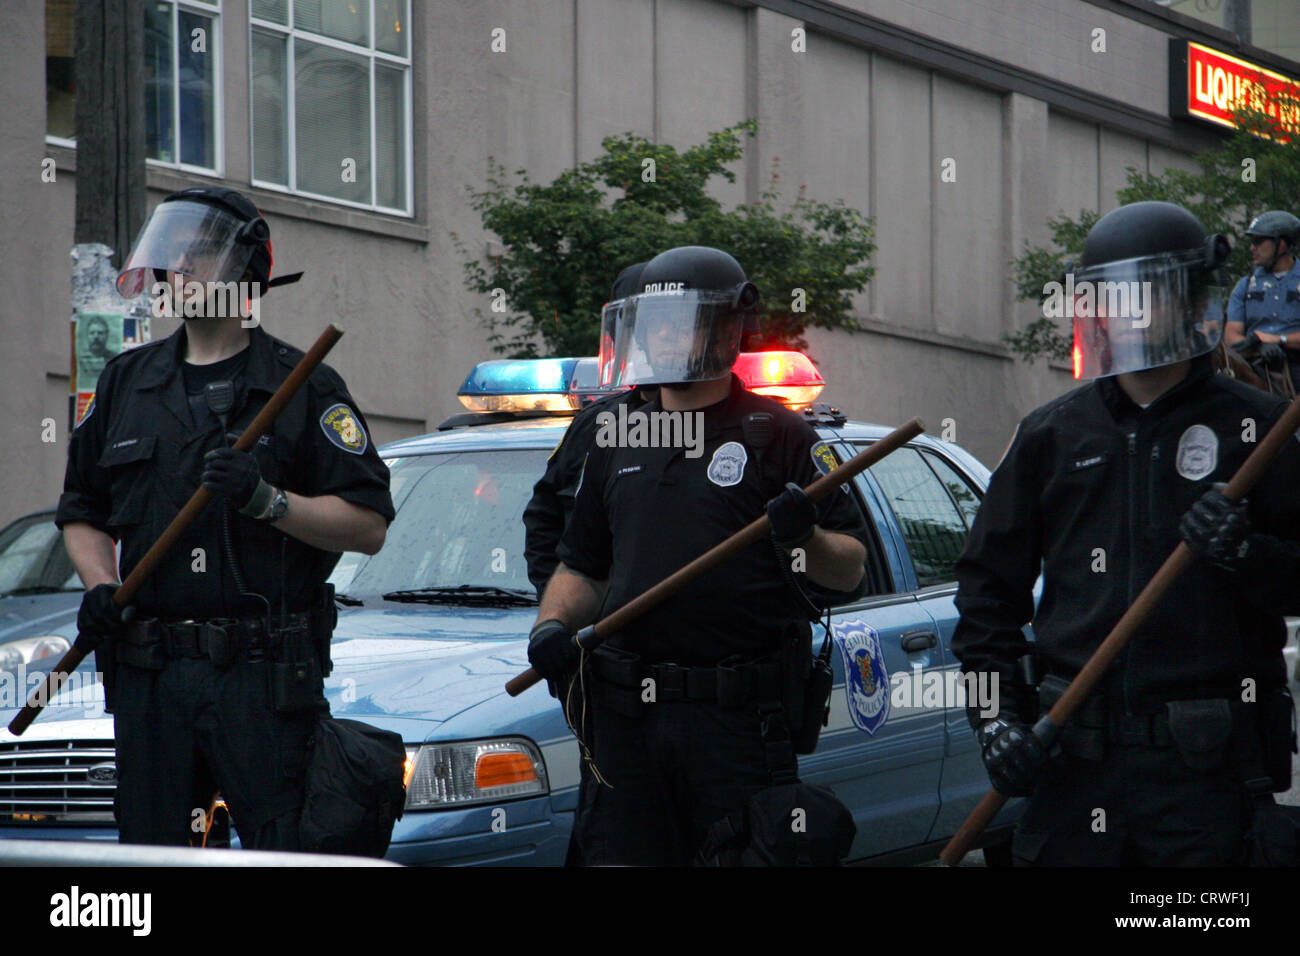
[{"x": 866, "y": 679}]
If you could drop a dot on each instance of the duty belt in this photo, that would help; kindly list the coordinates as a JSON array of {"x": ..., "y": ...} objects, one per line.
[
  {"x": 729, "y": 685},
  {"x": 1139, "y": 730},
  {"x": 221, "y": 639}
]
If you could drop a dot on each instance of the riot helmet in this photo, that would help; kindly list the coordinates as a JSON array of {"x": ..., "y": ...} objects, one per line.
[
  {"x": 1149, "y": 291},
  {"x": 625, "y": 285},
  {"x": 684, "y": 321},
  {"x": 1276, "y": 225}
]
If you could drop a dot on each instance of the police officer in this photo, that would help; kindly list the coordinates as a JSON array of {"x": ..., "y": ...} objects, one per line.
[
  {"x": 683, "y": 697},
  {"x": 218, "y": 679},
  {"x": 1095, "y": 490},
  {"x": 548, "y": 510},
  {"x": 1264, "y": 311},
  {"x": 552, "y": 502}
]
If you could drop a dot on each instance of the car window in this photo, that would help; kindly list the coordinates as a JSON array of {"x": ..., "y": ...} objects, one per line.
[
  {"x": 457, "y": 523},
  {"x": 933, "y": 527},
  {"x": 32, "y": 555},
  {"x": 966, "y": 496}
]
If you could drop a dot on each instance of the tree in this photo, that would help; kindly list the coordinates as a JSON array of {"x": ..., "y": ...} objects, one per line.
[
  {"x": 1255, "y": 169},
  {"x": 564, "y": 242}
]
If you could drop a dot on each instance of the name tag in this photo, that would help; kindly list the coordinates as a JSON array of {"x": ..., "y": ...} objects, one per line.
[{"x": 1081, "y": 463}]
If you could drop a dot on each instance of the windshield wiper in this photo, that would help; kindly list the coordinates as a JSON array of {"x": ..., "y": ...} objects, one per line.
[
  {"x": 466, "y": 594},
  {"x": 349, "y": 600}
]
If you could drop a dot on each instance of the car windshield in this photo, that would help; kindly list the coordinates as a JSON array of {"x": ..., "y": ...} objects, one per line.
[
  {"x": 458, "y": 527},
  {"x": 33, "y": 559}
]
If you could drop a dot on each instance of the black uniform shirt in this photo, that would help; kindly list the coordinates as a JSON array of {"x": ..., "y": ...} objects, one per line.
[
  {"x": 642, "y": 513},
  {"x": 552, "y": 502},
  {"x": 137, "y": 457},
  {"x": 1091, "y": 490}
]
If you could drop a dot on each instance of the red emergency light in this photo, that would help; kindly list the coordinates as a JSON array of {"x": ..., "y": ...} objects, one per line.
[{"x": 789, "y": 377}]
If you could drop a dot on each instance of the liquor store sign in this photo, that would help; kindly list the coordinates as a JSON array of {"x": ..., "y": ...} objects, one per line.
[{"x": 1208, "y": 85}]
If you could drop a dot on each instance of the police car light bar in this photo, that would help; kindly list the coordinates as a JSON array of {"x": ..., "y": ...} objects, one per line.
[
  {"x": 521, "y": 385},
  {"x": 789, "y": 377}
]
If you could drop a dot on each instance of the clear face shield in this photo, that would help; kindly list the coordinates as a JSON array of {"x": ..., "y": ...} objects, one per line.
[
  {"x": 196, "y": 240},
  {"x": 665, "y": 337},
  {"x": 1138, "y": 314}
]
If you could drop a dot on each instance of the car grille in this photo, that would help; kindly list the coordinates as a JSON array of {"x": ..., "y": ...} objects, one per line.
[{"x": 45, "y": 782}]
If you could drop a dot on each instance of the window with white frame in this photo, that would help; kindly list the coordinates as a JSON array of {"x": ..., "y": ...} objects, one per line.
[
  {"x": 182, "y": 89},
  {"x": 182, "y": 93},
  {"x": 330, "y": 98}
]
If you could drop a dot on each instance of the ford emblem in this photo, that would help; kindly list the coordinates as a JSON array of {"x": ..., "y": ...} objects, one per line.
[{"x": 103, "y": 773}]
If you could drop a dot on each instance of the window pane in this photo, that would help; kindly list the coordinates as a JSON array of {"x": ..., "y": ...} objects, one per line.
[
  {"x": 968, "y": 500},
  {"x": 275, "y": 10},
  {"x": 333, "y": 122},
  {"x": 391, "y": 27},
  {"x": 347, "y": 20},
  {"x": 158, "y": 133},
  {"x": 60, "y": 60},
  {"x": 270, "y": 107},
  {"x": 197, "y": 59},
  {"x": 390, "y": 137},
  {"x": 932, "y": 527}
]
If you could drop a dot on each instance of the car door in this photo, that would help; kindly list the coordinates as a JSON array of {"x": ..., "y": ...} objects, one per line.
[
  {"x": 887, "y": 775},
  {"x": 934, "y": 501}
]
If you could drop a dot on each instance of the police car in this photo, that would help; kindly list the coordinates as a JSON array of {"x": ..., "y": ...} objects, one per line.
[{"x": 432, "y": 627}]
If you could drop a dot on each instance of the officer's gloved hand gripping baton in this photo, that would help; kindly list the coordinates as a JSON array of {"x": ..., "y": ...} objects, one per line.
[
  {"x": 591, "y": 636},
  {"x": 1050, "y": 725},
  {"x": 198, "y": 501}
]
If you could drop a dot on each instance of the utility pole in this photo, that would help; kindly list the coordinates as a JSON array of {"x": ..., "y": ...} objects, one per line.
[{"x": 110, "y": 180}]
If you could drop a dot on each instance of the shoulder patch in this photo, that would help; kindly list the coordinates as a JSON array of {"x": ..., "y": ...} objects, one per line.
[
  {"x": 90, "y": 407},
  {"x": 341, "y": 427},
  {"x": 727, "y": 467},
  {"x": 824, "y": 458}
]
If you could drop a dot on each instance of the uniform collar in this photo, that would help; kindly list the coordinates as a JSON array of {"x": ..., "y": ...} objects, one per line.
[
  {"x": 1121, "y": 406},
  {"x": 717, "y": 416},
  {"x": 1261, "y": 273},
  {"x": 260, "y": 373}
]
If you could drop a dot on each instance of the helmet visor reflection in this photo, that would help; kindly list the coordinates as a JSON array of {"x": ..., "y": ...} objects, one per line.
[
  {"x": 663, "y": 337},
  {"x": 196, "y": 239},
  {"x": 1138, "y": 314}
]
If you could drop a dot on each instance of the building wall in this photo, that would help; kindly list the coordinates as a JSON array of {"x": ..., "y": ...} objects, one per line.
[{"x": 868, "y": 114}]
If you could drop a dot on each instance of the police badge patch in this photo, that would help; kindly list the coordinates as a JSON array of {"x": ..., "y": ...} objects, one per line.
[
  {"x": 823, "y": 458},
  {"x": 342, "y": 429},
  {"x": 1198, "y": 452},
  {"x": 727, "y": 467},
  {"x": 866, "y": 679}
]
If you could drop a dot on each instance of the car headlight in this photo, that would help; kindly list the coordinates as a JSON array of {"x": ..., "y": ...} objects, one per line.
[
  {"x": 17, "y": 653},
  {"x": 466, "y": 772}
]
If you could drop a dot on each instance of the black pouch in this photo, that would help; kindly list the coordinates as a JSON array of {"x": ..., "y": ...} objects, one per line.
[
  {"x": 1201, "y": 730},
  {"x": 618, "y": 680},
  {"x": 141, "y": 645},
  {"x": 1274, "y": 836},
  {"x": 296, "y": 682},
  {"x": 1277, "y": 736},
  {"x": 323, "y": 620},
  {"x": 354, "y": 790},
  {"x": 793, "y": 824},
  {"x": 816, "y": 710},
  {"x": 1084, "y": 735}
]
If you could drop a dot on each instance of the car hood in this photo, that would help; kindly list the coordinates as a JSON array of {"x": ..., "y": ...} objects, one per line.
[
  {"x": 29, "y": 615},
  {"x": 424, "y": 662}
]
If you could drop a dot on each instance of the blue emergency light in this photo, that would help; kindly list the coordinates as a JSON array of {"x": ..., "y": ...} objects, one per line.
[{"x": 521, "y": 385}]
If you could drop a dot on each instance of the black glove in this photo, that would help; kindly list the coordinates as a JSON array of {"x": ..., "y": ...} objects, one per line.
[
  {"x": 234, "y": 474},
  {"x": 793, "y": 516},
  {"x": 1272, "y": 353},
  {"x": 1013, "y": 756},
  {"x": 100, "y": 617},
  {"x": 1217, "y": 529},
  {"x": 1251, "y": 341},
  {"x": 551, "y": 651}
]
